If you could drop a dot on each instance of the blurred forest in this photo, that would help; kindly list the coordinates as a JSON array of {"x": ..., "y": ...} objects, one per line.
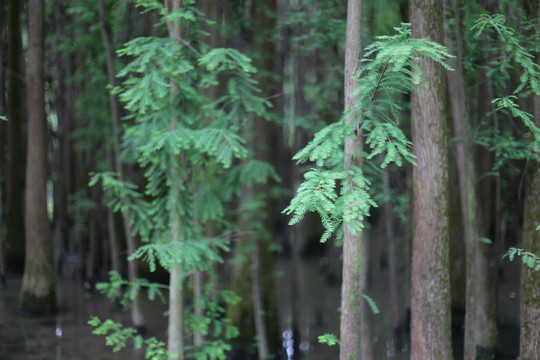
[{"x": 213, "y": 155}]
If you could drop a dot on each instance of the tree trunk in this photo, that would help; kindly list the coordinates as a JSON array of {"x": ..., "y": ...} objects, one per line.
[
  {"x": 38, "y": 291},
  {"x": 175, "y": 341},
  {"x": 480, "y": 329},
  {"x": 3, "y": 149},
  {"x": 354, "y": 332},
  {"x": 393, "y": 283},
  {"x": 2, "y": 266},
  {"x": 530, "y": 279},
  {"x": 137, "y": 317},
  {"x": 64, "y": 110},
  {"x": 15, "y": 231},
  {"x": 430, "y": 293},
  {"x": 258, "y": 307}
]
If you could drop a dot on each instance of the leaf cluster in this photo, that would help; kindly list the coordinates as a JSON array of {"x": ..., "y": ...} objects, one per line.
[
  {"x": 388, "y": 69},
  {"x": 528, "y": 258}
]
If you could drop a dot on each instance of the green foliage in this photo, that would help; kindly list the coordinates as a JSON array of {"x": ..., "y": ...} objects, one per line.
[
  {"x": 215, "y": 329},
  {"x": 131, "y": 289},
  {"x": 527, "y": 257},
  {"x": 372, "y": 305},
  {"x": 117, "y": 336},
  {"x": 389, "y": 69},
  {"x": 329, "y": 339},
  {"x": 192, "y": 150},
  {"x": 517, "y": 50},
  {"x": 3, "y": 118},
  {"x": 514, "y": 48}
]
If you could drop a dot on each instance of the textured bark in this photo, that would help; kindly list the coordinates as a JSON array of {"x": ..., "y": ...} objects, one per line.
[
  {"x": 480, "y": 329},
  {"x": 530, "y": 280},
  {"x": 137, "y": 317},
  {"x": 15, "y": 230},
  {"x": 354, "y": 331},
  {"x": 430, "y": 293},
  {"x": 38, "y": 291}
]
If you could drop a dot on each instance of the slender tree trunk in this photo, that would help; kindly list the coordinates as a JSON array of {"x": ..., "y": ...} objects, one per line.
[
  {"x": 392, "y": 260},
  {"x": 430, "y": 301},
  {"x": 480, "y": 329},
  {"x": 114, "y": 251},
  {"x": 530, "y": 279},
  {"x": 2, "y": 266},
  {"x": 64, "y": 110},
  {"x": 38, "y": 291},
  {"x": 136, "y": 312},
  {"x": 258, "y": 307},
  {"x": 176, "y": 295},
  {"x": 3, "y": 149},
  {"x": 354, "y": 331},
  {"x": 15, "y": 230},
  {"x": 197, "y": 305}
]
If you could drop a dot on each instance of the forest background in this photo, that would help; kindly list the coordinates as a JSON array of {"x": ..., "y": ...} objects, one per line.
[{"x": 142, "y": 130}]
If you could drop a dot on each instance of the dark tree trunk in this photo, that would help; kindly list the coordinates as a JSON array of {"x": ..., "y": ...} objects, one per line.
[
  {"x": 480, "y": 330},
  {"x": 430, "y": 294},
  {"x": 38, "y": 291},
  {"x": 3, "y": 133},
  {"x": 530, "y": 279},
  {"x": 64, "y": 110},
  {"x": 136, "y": 311},
  {"x": 15, "y": 230}
]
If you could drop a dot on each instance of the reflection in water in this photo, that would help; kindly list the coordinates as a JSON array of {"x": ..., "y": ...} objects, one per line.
[
  {"x": 67, "y": 336},
  {"x": 288, "y": 344}
]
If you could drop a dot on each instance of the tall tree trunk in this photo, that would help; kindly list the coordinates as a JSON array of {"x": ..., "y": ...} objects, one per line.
[
  {"x": 258, "y": 306},
  {"x": 2, "y": 266},
  {"x": 64, "y": 110},
  {"x": 254, "y": 279},
  {"x": 3, "y": 149},
  {"x": 530, "y": 279},
  {"x": 137, "y": 317},
  {"x": 480, "y": 329},
  {"x": 15, "y": 231},
  {"x": 392, "y": 259},
  {"x": 430, "y": 293},
  {"x": 38, "y": 291},
  {"x": 354, "y": 331},
  {"x": 175, "y": 341}
]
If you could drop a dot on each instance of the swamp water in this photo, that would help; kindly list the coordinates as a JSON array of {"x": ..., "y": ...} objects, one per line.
[{"x": 67, "y": 335}]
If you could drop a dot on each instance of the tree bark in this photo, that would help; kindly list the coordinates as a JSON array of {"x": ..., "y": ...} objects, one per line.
[
  {"x": 480, "y": 329},
  {"x": 354, "y": 332},
  {"x": 15, "y": 231},
  {"x": 530, "y": 279},
  {"x": 430, "y": 293},
  {"x": 38, "y": 291}
]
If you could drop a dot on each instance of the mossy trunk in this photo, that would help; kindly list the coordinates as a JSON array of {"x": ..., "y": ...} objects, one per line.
[
  {"x": 38, "y": 291},
  {"x": 430, "y": 293}
]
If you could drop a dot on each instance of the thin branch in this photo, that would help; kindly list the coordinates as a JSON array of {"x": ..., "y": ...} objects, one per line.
[{"x": 359, "y": 123}]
